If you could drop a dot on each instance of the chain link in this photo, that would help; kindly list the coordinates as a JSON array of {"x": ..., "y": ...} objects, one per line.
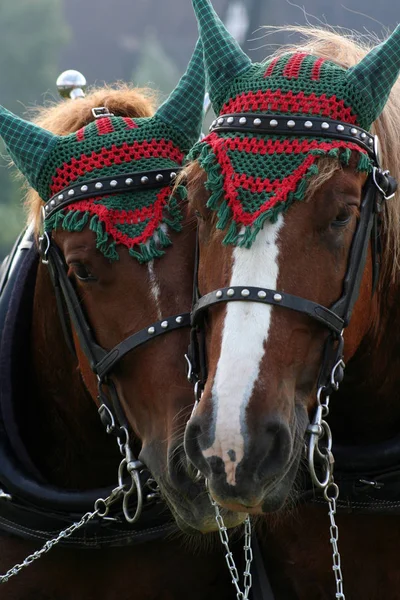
[
  {"x": 331, "y": 494},
  {"x": 101, "y": 509},
  {"x": 319, "y": 451},
  {"x": 230, "y": 561}
]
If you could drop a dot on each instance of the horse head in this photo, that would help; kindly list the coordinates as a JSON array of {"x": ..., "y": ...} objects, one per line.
[
  {"x": 119, "y": 247},
  {"x": 281, "y": 186}
]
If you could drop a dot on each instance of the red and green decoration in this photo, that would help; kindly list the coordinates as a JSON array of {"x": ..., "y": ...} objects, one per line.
[
  {"x": 252, "y": 178},
  {"x": 115, "y": 147}
]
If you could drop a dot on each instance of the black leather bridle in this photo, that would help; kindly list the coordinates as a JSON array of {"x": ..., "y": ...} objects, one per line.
[
  {"x": 379, "y": 187},
  {"x": 101, "y": 361}
]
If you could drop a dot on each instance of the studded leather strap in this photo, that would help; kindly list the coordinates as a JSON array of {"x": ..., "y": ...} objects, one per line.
[
  {"x": 110, "y": 185},
  {"x": 274, "y": 124}
]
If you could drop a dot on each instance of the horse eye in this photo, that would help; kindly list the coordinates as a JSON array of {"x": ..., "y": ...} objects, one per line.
[
  {"x": 343, "y": 218},
  {"x": 199, "y": 215},
  {"x": 82, "y": 272}
]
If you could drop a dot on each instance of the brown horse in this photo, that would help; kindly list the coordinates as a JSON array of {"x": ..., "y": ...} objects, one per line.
[
  {"x": 54, "y": 429},
  {"x": 259, "y": 362}
]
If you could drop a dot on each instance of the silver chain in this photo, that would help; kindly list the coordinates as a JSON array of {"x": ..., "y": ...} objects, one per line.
[
  {"x": 230, "y": 561},
  {"x": 320, "y": 451},
  {"x": 101, "y": 508},
  {"x": 331, "y": 494}
]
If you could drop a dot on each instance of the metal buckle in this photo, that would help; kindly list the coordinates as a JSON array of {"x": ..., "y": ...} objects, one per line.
[
  {"x": 101, "y": 111},
  {"x": 377, "y": 150},
  {"x": 374, "y": 172},
  {"x": 4, "y": 495},
  {"x": 44, "y": 253}
]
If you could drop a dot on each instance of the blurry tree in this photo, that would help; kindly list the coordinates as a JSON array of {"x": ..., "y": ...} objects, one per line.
[
  {"x": 155, "y": 68},
  {"x": 32, "y": 33}
]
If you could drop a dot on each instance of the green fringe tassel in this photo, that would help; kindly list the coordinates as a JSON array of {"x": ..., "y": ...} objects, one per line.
[{"x": 364, "y": 163}]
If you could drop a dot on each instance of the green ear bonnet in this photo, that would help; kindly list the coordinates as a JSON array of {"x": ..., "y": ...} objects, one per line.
[
  {"x": 254, "y": 177},
  {"x": 115, "y": 149}
]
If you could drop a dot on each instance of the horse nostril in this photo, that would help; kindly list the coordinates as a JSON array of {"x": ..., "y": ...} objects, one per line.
[
  {"x": 276, "y": 449},
  {"x": 193, "y": 450}
]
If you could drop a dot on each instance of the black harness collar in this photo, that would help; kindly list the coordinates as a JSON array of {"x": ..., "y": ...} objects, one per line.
[{"x": 362, "y": 481}]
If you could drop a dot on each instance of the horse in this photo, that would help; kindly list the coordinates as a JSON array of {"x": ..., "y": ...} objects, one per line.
[
  {"x": 68, "y": 311},
  {"x": 296, "y": 277}
]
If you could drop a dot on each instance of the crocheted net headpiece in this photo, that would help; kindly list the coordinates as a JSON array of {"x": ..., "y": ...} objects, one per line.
[
  {"x": 254, "y": 177},
  {"x": 114, "y": 147}
]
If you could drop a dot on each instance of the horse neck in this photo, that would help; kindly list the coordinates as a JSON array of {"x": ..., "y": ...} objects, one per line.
[
  {"x": 367, "y": 407},
  {"x": 62, "y": 430}
]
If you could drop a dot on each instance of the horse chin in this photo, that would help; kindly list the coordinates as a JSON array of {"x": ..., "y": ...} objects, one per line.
[{"x": 196, "y": 515}]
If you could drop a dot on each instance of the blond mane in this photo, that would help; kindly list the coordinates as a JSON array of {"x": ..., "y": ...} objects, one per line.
[{"x": 68, "y": 116}]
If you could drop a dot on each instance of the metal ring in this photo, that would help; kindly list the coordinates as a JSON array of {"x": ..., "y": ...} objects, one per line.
[{"x": 139, "y": 493}]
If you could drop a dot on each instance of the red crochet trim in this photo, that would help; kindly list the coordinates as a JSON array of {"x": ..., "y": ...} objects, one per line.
[
  {"x": 104, "y": 125},
  {"x": 108, "y": 157},
  {"x": 316, "y": 70},
  {"x": 271, "y": 67},
  {"x": 293, "y": 66},
  {"x": 130, "y": 123},
  {"x": 80, "y": 134},
  {"x": 282, "y": 187},
  {"x": 111, "y": 218},
  {"x": 288, "y": 102}
]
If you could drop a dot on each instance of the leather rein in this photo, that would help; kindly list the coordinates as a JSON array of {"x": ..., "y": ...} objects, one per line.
[
  {"x": 103, "y": 362},
  {"x": 379, "y": 188}
]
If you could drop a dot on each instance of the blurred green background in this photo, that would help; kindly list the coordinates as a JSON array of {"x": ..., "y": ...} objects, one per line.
[{"x": 145, "y": 41}]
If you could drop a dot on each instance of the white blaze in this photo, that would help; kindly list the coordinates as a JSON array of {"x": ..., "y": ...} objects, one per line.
[{"x": 245, "y": 332}]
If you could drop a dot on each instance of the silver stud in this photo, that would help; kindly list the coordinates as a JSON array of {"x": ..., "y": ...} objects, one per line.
[
  {"x": 173, "y": 176},
  {"x": 230, "y": 293},
  {"x": 113, "y": 183},
  {"x": 129, "y": 181},
  {"x": 60, "y": 197},
  {"x": 245, "y": 293},
  {"x": 261, "y": 294},
  {"x": 151, "y": 330},
  {"x": 164, "y": 324},
  {"x": 230, "y": 120},
  {"x": 324, "y": 125},
  {"x": 213, "y": 124},
  {"x": 144, "y": 180},
  {"x": 179, "y": 319},
  {"x": 277, "y": 297},
  {"x": 71, "y": 192},
  {"x": 371, "y": 141},
  {"x": 257, "y": 122},
  {"x": 47, "y": 208},
  {"x": 291, "y": 124},
  {"x": 353, "y": 131},
  {"x": 219, "y": 294},
  {"x": 363, "y": 135},
  {"x": 159, "y": 177},
  {"x": 273, "y": 123},
  {"x": 243, "y": 120},
  {"x": 308, "y": 124},
  {"x": 98, "y": 185},
  {"x": 84, "y": 188},
  {"x": 340, "y": 128},
  {"x": 220, "y": 121},
  {"x": 52, "y": 203}
]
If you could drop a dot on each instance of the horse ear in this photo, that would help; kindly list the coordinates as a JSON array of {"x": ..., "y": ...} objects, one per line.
[
  {"x": 183, "y": 110},
  {"x": 28, "y": 145},
  {"x": 376, "y": 74},
  {"x": 223, "y": 57}
]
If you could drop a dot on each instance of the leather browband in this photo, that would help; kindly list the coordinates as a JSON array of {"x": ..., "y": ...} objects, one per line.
[
  {"x": 102, "y": 186},
  {"x": 274, "y": 124}
]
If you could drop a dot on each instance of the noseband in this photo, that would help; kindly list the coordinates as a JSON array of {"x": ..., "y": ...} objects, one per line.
[
  {"x": 103, "y": 362},
  {"x": 379, "y": 187}
]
